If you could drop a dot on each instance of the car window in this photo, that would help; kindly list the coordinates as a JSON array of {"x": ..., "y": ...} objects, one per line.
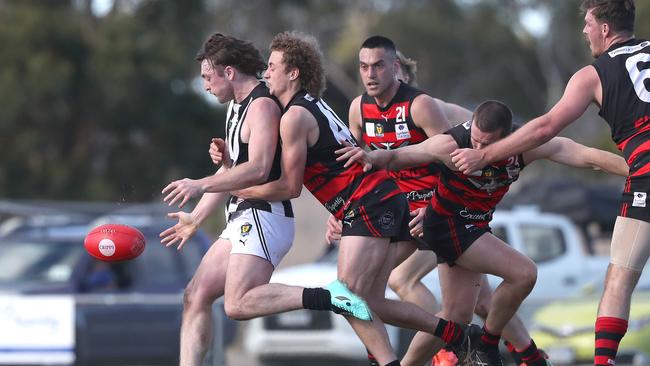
[
  {"x": 158, "y": 266},
  {"x": 542, "y": 243},
  {"x": 33, "y": 261}
]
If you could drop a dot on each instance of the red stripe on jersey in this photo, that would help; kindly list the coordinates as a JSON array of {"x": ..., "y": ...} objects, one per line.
[
  {"x": 621, "y": 145},
  {"x": 326, "y": 186},
  {"x": 644, "y": 147},
  {"x": 645, "y": 169},
  {"x": 372, "y": 111},
  {"x": 370, "y": 182}
]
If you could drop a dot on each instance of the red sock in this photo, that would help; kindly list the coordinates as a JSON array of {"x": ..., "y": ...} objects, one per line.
[
  {"x": 531, "y": 356},
  {"x": 490, "y": 339},
  {"x": 609, "y": 332}
]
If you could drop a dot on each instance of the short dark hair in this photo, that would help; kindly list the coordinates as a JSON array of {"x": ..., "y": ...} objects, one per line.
[
  {"x": 493, "y": 116},
  {"x": 301, "y": 51},
  {"x": 230, "y": 51},
  {"x": 619, "y": 14},
  {"x": 380, "y": 42}
]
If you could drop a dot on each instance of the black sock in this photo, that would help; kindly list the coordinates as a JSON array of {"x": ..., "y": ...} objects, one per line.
[
  {"x": 450, "y": 332},
  {"x": 394, "y": 363},
  {"x": 513, "y": 352},
  {"x": 490, "y": 339},
  {"x": 531, "y": 355},
  {"x": 316, "y": 299}
]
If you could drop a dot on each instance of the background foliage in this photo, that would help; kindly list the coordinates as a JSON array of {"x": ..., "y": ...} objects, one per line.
[{"x": 107, "y": 106}]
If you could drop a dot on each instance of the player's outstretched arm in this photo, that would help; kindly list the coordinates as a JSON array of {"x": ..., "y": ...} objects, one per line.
[
  {"x": 568, "y": 152},
  {"x": 583, "y": 89},
  {"x": 434, "y": 149},
  {"x": 293, "y": 132},
  {"x": 189, "y": 223}
]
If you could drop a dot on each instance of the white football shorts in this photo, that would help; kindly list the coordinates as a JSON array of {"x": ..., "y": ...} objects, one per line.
[{"x": 260, "y": 233}]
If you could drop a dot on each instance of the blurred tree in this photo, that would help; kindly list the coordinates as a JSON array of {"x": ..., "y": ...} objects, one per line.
[
  {"x": 106, "y": 106},
  {"x": 106, "y": 114}
]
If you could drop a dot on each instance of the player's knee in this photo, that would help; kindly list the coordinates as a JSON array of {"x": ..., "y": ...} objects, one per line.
[
  {"x": 235, "y": 310},
  {"x": 528, "y": 277},
  {"x": 398, "y": 282},
  {"x": 195, "y": 297}
]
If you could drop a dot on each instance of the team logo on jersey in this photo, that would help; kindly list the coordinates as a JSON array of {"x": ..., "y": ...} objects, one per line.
[
  {"x": 245, "y": 229},
  {"x": 402, "y": 131},
  {"x": 488, "y": 172},
  {"x": 639, "y": 199},
  {"x": 379, "y": 130}
]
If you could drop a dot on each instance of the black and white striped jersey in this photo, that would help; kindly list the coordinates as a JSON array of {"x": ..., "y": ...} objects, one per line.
[{"x": 238, "y": 149}]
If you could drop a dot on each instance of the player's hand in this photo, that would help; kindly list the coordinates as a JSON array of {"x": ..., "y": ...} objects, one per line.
[
  {"x": 219, "y": 152},
  {"x": 182, "y": 190},
  {"x": 468, "y": 160},
  {"x": 354, "y": 154},
  {"x": 334, "y": 229},
  {"x": 181, "y": 232},
  {"x": 416, "y": 223}
]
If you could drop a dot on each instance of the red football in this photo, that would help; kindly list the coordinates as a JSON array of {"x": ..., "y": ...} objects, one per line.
[{"x": 114, "y": 242}]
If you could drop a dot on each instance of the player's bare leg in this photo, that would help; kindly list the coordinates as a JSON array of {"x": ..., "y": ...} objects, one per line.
[
  {"x": 515, "y": 331},
  {"x": 248, "y": 291},
  {"x": 206, "y": 286},
  {"x": 360, "y": 261},
  {"x": 406, "y": 278},
  {"x": 460, "y": 288},
  {"x": 488, "y": 254}
]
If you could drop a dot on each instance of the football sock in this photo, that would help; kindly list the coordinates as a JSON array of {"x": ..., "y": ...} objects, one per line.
[
  {"x": 490, "y": 339},
  {"x": 531, "y": 356},
  {"x": 450, "y": 332},
  {"x": 316, "y": 299},
  {"x": 513, "y": 352},
  {"x": 609, "y": 332}
]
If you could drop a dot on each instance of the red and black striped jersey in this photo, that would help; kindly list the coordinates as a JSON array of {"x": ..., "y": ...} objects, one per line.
[
  {"x": 327, "y": 179},
  {"x": 624, "y": 72},
  {"x": 474, "y": 196},
  {"x": 392, "y": 127}
]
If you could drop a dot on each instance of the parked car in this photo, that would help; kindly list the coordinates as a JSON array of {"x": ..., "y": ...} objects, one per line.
[
  {"x": 565, "y": 329},
  {"x": 61, "y": 306},
  {"x": 551, "y": 240}
]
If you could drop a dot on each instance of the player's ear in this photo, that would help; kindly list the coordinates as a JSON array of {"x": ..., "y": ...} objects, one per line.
[
  {"x": 605, "y": 29},
  {"x": 293, "y": 75},
  {"x": 229, "y": 71}
]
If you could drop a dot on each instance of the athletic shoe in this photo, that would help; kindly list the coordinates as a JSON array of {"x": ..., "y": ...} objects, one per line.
[
  {"x": 478, "y": 353},
  {"x": 464, "y": 353},
  {"x": 345, "y": 302},
  {"x": 486, "y": 355}
]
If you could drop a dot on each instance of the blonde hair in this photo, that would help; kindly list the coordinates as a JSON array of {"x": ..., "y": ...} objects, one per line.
[
  {"x": 302, "y": 52},
  {"x": 409, "y": 67}
]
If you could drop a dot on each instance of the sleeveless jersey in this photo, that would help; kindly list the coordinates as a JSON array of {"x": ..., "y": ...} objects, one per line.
[
  {"x": 624, "y": 72},
  {"x": 474, "y": 197},
  {"x": 392, "y": 127},
  {"x": 327, "y": 179},
  {"x": 235, "y": 119}
]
